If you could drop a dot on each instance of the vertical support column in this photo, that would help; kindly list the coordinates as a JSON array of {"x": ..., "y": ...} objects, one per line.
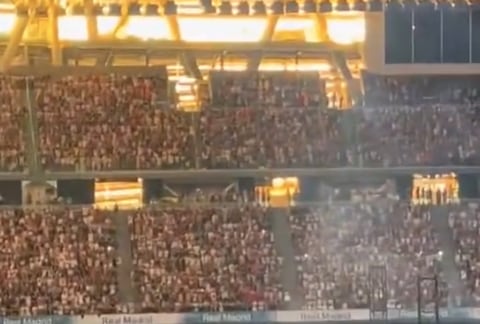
[
  {"x": 174, "y": 29},
  {"x": 321, "y": 27},
  {"x": 56, "y": 50},
  {"x": 377, "y": 277},
  {"x": 15, "y": 39},
  {"x": 91, "y": 17}
]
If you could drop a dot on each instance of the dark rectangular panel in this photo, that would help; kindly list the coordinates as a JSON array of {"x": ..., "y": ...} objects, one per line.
[
  {"x": 404, "y": 187},
  {"x": 152, "y": 190},
  {"x": 11, "y": 192},
  {"x": 456, "y": 36},
  {"x": 77, "y": 191},
  {"x": 311, "y": 189},
  {"x": 398, "y": 36},
  {"x": 476, "y": 36},
  {"x": 468, "y": 186},
  {"x": 426, "y": 36}
]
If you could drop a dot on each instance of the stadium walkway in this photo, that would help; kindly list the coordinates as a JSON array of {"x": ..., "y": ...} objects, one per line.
[
  {"x": 447, "y": 246},
  {"x": 284, "y": 248},
  {"x": 27, "y": 100},
  {"x": 128, "y": 295}
]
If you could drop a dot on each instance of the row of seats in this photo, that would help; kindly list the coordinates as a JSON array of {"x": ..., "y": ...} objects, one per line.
[
  {"x": 87, "y": 136},
  {"x": 65, "y": 260},
  {"x": 105, "y": 122}
]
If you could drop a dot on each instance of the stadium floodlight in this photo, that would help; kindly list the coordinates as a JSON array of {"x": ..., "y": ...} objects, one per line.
[
  {"x": 170, "y": 8},
  {"x": 310, "y": 6},
  {"x": 259, "y": 8},
  {"x": 97, "y": 10},
  {"x": 113, "y": 9},
  {"x": 325, "y": 6},
  {"x": 292, "y": 6},
  {"x": 225, "y": 8},
  {"x": 208, "y": 7},
  {"x": 342, "y": 5},
  {"x": 150, "y": 10},
  {"x": 77, "y": 10},
  {"x": 243, "y": 8},
  {"x": 134, "y": 9},
  {"x": 278, "y": 7},
  {"x": 359, "y": 5}
]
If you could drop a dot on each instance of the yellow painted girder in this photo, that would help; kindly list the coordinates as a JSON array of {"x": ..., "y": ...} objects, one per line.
[
  {"x": 91, "y": 20},
  {"x": 174, "y": 29},
  {"x": 56, "y": 50},
  {"x": 321, "y": 28},
  {"x": 13, "y": 42},
  {"x": 123, "y": 19},
  {"x": 270, "y": 28}
]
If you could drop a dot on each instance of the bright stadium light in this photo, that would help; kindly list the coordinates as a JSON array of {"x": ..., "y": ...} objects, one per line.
[
  {"x": 7, "y": 21},
  {"x": 220, "y": 29},
  {"x": 310, "y": 6},
  {"x": 243, "y": 8},
  {"x": 72, "y": 28},
  {"x": 146, "y": 28},
  {"x": 346, "y": 28},
  {"x": 292, "y": 7}
]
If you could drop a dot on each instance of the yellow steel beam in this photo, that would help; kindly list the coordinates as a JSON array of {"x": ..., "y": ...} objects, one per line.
[
  {"x": 56, "y": 49},
  {"x": 256, "y": 58},
  {"x": 123, "y": 18},
  {"x": 174, "y": 29},
  {"x": 321, "y": 27},
  {"x": 92, "y": 27},
  {"x": 13, "y": 42},
  {"x": 270, "y": 29},
  {"x": 164, "y": 46}
]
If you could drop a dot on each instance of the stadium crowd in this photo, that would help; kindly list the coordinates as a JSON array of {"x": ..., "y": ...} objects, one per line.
[
  {"x": 115, "y": 121},
  {"x": 464, "y": 221},
  {"x": 63, "y": 261},
  {"x": 57, "y": 260},
  {"x": 205, "y": 259},
  {"x": 336, "y": 244},
  {"x": 273, "y": 89},
  {"x": 104, "y": 122},
  {"x": 12, "y": 124},
  {"x": 194, "y": 257}
]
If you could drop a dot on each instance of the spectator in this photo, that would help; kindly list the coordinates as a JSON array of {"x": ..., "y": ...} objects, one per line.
[
  {"x": 12, "y": 123},
  {"x": 104, "y": 122},
  {"x": 336, "y": 244},
  {"x": 57, "y": 261},
  {"x": 205, "y": 259}
]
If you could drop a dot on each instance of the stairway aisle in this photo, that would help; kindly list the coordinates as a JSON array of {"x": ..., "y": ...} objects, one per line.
[
  {"x": 27, "y": 99},
  {"x": 284, "y": 247},
  {"x": 128, "y": 295},
  {"x": 447, "y": 245}
]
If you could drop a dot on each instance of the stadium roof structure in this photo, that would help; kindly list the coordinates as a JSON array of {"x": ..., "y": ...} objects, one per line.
[{"x": 197, "y": 35}]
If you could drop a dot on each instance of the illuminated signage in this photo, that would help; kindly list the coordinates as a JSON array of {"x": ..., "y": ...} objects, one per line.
[{"x": 436, "y": 189}]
